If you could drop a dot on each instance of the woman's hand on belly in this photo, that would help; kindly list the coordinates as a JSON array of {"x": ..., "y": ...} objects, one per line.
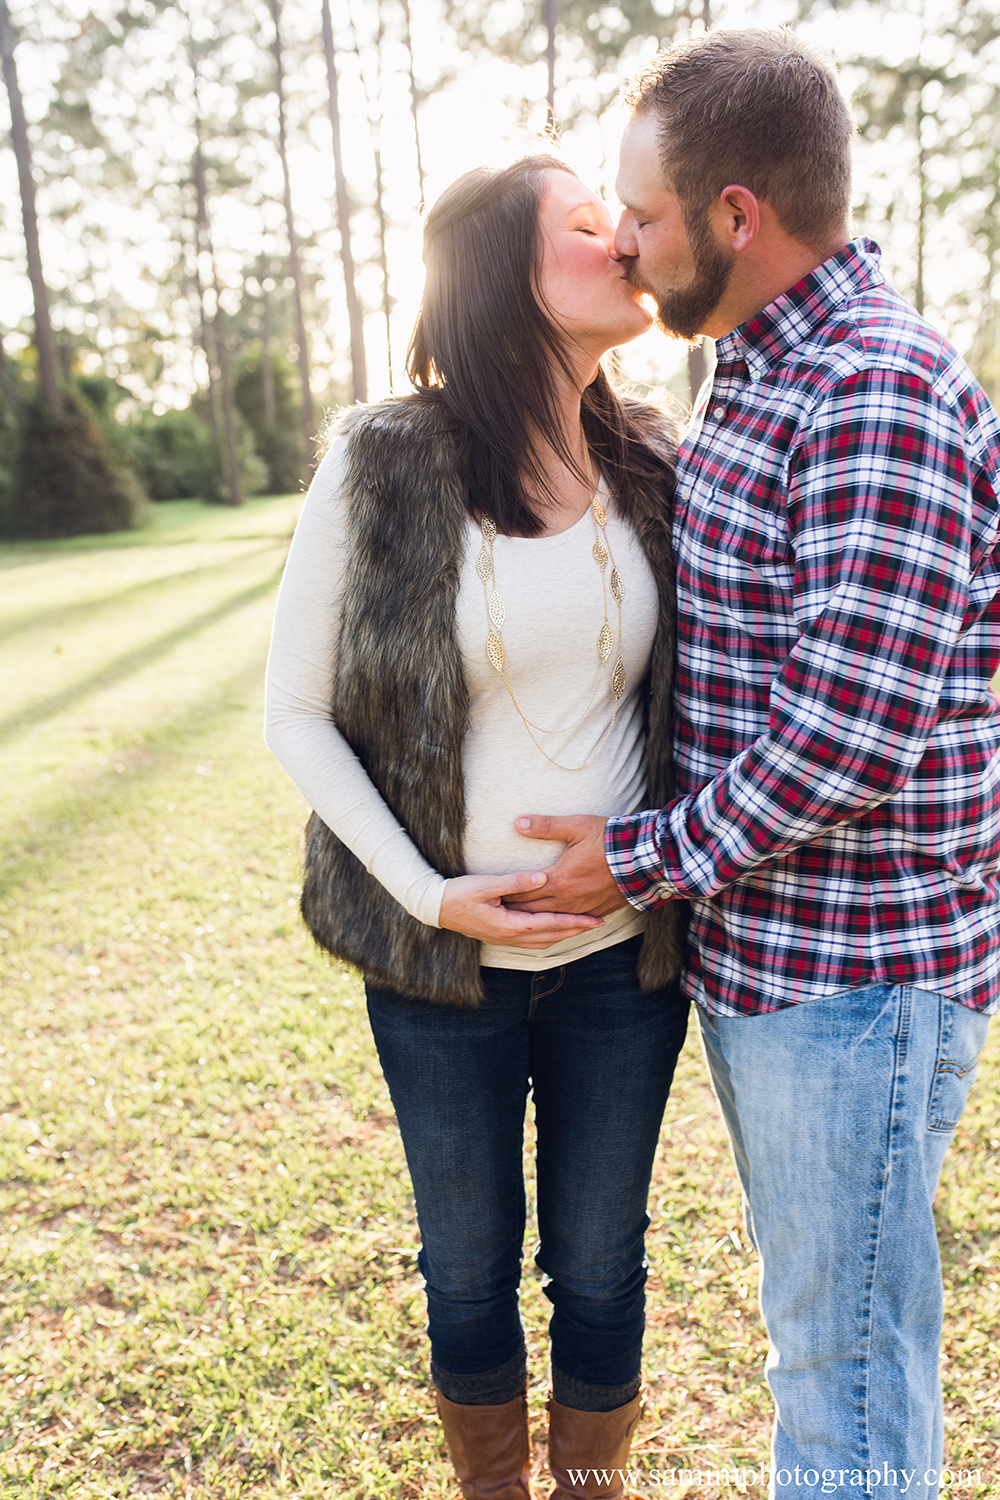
[{"x": 473, "y": 905}]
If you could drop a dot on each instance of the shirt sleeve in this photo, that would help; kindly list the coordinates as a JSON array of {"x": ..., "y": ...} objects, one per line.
[
  {"x": 299, "y": 728},
  {"x": 879, "y": 517}
]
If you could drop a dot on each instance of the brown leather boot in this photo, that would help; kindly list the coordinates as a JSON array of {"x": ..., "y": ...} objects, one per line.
[
  {"x": 588, "y": 1450},
  {"x": 489, "y": 1447}
]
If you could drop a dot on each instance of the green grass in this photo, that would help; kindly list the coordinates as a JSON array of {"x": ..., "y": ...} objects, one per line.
[
  {"x": 208, "y": 1249},
  {"x": 172, "y": 521}
]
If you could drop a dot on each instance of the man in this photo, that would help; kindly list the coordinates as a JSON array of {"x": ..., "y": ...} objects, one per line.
[{"x": 837, "y": 826}]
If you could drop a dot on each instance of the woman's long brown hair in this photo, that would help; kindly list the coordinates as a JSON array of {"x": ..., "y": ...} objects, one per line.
[{"x": 484, "y": 346}]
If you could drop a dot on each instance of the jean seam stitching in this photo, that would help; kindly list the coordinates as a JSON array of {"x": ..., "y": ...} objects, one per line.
[
  {"x": 896, "y": 1107},
  {"x": 533, "y": 1003}
]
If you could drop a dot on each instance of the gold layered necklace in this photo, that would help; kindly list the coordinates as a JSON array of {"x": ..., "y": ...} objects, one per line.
[{"x": 496, "y": 652}]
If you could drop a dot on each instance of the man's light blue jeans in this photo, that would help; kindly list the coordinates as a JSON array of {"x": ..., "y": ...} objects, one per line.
[{"x": 840, "y": 1111}]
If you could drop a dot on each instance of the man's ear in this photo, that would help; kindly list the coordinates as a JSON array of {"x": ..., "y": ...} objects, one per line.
[{"x": 737, "y": 216}]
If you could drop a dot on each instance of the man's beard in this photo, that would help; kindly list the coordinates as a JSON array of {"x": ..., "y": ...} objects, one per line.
[{"x": 682, "y": 311}]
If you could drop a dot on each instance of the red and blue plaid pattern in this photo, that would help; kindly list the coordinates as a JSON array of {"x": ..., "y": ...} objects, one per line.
[{"x": 838, "y": 818}]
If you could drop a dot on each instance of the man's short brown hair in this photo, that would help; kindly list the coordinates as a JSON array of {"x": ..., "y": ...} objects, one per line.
[{"x": 755, "y": 108}]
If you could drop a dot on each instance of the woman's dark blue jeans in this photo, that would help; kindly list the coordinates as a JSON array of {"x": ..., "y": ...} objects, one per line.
[{"x": 599, "y": 1057}]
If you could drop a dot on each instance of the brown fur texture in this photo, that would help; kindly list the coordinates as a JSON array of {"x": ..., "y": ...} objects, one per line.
[{"x": 401, "y": 701}]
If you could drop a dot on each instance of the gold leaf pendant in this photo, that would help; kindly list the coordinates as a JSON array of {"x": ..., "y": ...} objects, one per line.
[
  {"x": 618, "y": 680},
  {"x": 497, "y": 612},
  {"x": 605, "y": 641},
  {"x": 495, "y": 651}
]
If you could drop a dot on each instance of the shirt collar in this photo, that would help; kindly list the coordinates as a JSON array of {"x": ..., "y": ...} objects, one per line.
[{"x": 783, "y": 325}]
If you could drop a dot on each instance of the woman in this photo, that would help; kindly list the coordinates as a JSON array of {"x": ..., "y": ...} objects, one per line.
[{"x": 477, "y": 602}]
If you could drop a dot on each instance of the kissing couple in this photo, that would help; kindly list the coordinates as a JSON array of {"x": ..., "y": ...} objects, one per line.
[{"x": 549, "y": 684}]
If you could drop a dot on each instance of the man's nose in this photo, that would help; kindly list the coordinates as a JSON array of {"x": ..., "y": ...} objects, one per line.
[{"x": 624, "y": 245}]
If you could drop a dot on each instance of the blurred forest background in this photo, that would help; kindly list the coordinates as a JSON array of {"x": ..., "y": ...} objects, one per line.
[{"x": 209, "y": 215}]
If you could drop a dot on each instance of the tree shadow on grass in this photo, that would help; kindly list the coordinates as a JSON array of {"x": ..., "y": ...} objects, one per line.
[
  {"x": 67, "y": 614},
  {"x": 132, "y": 661},
  {"x": 22, "y": 553},
  {"x": 49, "y": 842}
]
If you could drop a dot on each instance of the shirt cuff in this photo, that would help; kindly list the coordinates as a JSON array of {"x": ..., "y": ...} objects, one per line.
[{"x": 632, "y": 849}]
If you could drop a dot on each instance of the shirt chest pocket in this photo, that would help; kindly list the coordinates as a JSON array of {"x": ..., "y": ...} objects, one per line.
[{"x": 733, "y": 546}]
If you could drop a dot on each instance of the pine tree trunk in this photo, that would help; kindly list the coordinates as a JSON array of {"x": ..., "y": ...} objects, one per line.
[
  {"x": 235, "y": 496},
  {"x": 8, "y": 385},
  {"x": 44, "y": 342},
  {"x": 211, "y": 364},
  {"x": 308, "y": 422},
  {"x": 919, "y": 298},
  {"x": 213, "y": 334},
  {"x": 551, "y": 17},
  {"x": 383, "y": 260},
  {"x": 266, "y": 367},
  {"x": 373, "y": 100},
  {"x": 414, "y": 97},
  {"x": 359, "y": 370},
  {"x": 203, "y": 243},
  {"x": 697, "y": 363},
  {"x": 64, "y": 351}
]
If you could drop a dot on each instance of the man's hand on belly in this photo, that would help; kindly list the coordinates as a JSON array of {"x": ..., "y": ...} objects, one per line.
[{"x": 580, "y": 880}]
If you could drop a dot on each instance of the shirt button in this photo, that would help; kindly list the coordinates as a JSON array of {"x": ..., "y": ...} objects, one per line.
[{"x": 718, "y": 413}]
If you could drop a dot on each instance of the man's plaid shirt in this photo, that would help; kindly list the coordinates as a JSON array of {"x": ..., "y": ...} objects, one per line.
[{"x": 838, "y": 816}]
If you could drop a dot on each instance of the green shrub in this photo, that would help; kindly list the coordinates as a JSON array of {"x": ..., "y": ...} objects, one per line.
[
  {"x": 68, "y": 481},
  {"x": 280, "y": 443},
  {"x": 12, "y": 390},
  {"x": 8, "y": 459},
  {"x": 175, "y": 455},
  {"x": 253, "y": 469}
]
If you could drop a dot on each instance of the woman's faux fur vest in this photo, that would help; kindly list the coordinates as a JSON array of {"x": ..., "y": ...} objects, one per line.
[{"x": 400, "y": 698}]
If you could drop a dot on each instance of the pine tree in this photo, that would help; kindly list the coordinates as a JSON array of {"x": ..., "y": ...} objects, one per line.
[
  {"x": 308, "y": 419},
  {"x": 44, "y": 341},
  {"x": 359, "y": 369}
]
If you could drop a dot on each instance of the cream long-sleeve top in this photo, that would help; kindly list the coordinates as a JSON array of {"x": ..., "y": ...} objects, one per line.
[{"x": 552, "y": 593}]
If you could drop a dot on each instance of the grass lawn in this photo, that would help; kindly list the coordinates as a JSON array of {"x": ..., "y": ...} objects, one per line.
[{"x": 208, "y": 1281}]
